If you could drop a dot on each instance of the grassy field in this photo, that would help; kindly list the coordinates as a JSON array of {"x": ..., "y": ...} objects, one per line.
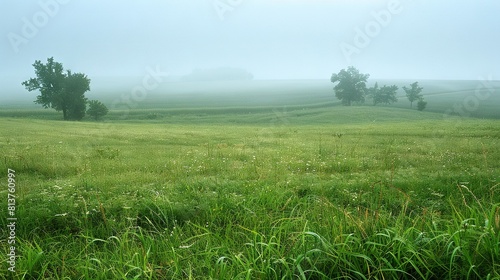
[{"x": 257, "y": 193}]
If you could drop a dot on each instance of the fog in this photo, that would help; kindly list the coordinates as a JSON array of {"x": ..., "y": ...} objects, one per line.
[{"x": 118, "y": 44}]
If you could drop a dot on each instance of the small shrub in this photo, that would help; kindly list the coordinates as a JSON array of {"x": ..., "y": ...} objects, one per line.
[
  {"x": 97, "y": 109},
  {"x": 421, "y": 104}
]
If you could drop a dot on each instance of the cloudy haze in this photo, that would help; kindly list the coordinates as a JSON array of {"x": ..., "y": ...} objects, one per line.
[{"x": 268, "y": 39}]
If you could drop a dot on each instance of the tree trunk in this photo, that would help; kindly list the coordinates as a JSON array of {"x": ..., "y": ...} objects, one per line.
[{"x": 65, "y": 114}]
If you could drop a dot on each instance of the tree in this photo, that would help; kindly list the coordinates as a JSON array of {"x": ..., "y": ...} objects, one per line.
[
  {"x": 62, "y": 91},
  {"x": 97, "y": 109},
  {"x": 413, "y": 93},
  {"x": 351, "y": 85},
  {"x": 76, "y": 85},
  {"x": 385, "y": 94},
  {"x": 421, "y": 104}
]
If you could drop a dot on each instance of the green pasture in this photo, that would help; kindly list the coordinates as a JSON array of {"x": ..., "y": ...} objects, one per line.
[{"x": 256, "y": 192}]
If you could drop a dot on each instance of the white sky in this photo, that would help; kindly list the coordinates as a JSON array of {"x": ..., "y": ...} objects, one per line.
[{"x": 273, "y": 39}]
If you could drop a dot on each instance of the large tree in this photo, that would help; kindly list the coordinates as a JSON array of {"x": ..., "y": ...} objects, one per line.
[
  {"x": 60, "y": 90},
  {"x": 351, "y": 85},
  {"x": 413, "y": 93}
]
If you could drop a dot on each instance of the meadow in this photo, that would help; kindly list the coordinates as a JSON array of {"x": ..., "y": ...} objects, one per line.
[{"x": 256, "y": 192}]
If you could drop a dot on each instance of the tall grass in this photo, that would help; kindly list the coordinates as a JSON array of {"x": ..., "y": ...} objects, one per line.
[{"x": 408, "y": 200}]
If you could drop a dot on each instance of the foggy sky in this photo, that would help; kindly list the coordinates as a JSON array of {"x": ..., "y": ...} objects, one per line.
[{"x": 271, "y": 39}]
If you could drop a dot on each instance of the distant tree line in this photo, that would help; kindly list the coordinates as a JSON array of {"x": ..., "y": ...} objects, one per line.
[
  {"x": 63, "y": 91},
  {"x": 350, "y": 88}
]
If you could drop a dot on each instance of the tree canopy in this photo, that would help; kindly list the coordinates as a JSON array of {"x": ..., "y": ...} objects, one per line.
[
  {"x": 351, "y": 85},
  {"x": 413, "y": 92},
  {"x": 61, "y": 90},
  {"x": 385, "y": 94}
]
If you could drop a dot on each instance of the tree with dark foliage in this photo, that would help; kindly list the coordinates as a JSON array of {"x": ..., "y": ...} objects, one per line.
[
  {"x": 413, "y": 93},
  {"x": 60, "y": 90},
  {"x": 351, "y": 85},
  {"x": 385, "y": 94}
]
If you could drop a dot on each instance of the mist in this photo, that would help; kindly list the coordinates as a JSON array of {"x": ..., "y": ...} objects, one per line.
[{"x": 204, "y": 40}]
